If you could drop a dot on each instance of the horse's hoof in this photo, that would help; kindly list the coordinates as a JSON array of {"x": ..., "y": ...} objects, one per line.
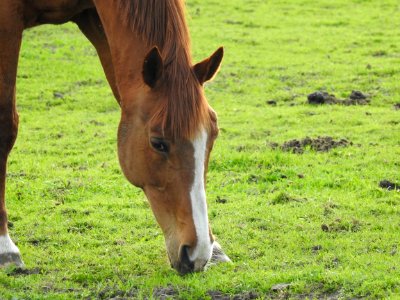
[
  {"x": 9, "y": 253},
  {"x": 7, "y": 259}
]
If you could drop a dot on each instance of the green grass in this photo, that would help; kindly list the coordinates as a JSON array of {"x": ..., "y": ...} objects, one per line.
[{"x": 331, "y": 232}]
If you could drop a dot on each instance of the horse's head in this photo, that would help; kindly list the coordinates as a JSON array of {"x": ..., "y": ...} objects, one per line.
[{"x": 164, "y": 142}]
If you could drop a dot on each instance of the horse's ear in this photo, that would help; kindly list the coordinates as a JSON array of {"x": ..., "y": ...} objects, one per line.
[
  {"x": 207, "y": 69},
  {"x": 152, "y": 67}
]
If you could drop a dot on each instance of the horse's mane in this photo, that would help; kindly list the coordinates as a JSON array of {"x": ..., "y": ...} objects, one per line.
[{"x": 162, "y": 23}]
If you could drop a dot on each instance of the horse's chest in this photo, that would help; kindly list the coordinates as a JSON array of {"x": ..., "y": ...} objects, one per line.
[{"x": 53, "y": 11}]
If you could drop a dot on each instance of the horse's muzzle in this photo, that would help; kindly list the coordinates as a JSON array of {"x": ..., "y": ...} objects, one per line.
[{"x": 184, "y": 265}]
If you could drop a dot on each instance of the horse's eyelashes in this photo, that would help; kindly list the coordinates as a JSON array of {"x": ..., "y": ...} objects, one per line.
[{"x": 159, "y": 145}]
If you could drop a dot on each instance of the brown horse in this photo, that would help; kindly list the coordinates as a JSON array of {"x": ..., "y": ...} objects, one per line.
[{"x": 167, "y": 128}]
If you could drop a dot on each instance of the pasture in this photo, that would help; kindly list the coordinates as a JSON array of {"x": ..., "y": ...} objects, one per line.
[{"x": 316, "y": 222}]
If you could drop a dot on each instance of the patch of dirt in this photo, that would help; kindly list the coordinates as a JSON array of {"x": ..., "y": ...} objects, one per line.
[
  {"x": 50, "y": 288},
  {"x": 324, "y": 296},
  {"x": 340, "y": 225},
  {"x": 319, "y": 144},
  {"x": 329, "y": 207},
  {"x": 114, "y": 293},
  {"x": 321, "y": 98},
  {"x": 355, "y": 98},
  {"x": 278, "y": 292},
  {"x": 280, "y": 287},
  {"x": 37, "y": 241},
  {"x": 96, "y": 123},
  {"x": 271, "y": 102},
  {"x": 240, "y": 148},
  {"x": 397, "y": 106},
  {"x": 316, "y": 248},
  {"x": 217, "y": 295},
  {"x": 357, "y": 95},
  {"x": 283, "y": 198},
  {"x": 379, "y": 53},
  {"x": 221, "y": 200},
  {"x": 163, "y": 293},
  {"x": 80, "y": 227},
  {"x": 58, "y": 95},
  {"x": 18, "y": 271},
  {"x": 390, "y": 186}
]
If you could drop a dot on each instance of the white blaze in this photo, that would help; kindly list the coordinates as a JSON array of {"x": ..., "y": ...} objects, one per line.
[{"x": 203, "y": 250}]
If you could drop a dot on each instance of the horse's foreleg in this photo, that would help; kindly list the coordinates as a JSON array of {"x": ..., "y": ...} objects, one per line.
[
  {"x": 10, "y": 41},
  {"x": 89, "y": 23}
]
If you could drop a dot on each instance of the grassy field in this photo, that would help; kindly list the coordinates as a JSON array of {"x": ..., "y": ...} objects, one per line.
[{"x": 317, "y": 221}]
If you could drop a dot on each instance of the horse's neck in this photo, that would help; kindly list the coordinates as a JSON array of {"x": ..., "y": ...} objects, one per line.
[{"x": 127, "y": 49}]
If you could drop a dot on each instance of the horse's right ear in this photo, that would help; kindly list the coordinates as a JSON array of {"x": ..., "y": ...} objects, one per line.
[
  {"x": 208, "y": 68},
  {"x": 152, "y": 67}
]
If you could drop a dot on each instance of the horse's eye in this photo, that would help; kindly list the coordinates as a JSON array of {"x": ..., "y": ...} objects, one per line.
[{"x": 159, "y": 144}]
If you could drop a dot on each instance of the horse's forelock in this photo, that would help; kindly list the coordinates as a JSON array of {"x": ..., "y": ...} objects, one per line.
[{"x": 162, "y": 23}]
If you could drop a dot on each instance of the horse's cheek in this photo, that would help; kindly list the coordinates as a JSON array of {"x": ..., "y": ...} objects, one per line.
[{"x": 132, "y": 159}]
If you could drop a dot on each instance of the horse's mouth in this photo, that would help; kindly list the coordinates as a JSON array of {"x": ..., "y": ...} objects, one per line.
[{"x": 185, "y": 266}]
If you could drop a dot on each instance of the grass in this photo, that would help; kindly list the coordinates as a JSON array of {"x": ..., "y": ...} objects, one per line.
[{"x": 318, "y": 221}]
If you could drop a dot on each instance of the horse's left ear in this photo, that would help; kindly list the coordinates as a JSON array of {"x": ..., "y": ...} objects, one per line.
[
  {"x": 153, "y": 67},
  {"x": 207, "y": 69}
]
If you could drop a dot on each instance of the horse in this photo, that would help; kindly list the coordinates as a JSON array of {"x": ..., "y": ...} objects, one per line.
[{"x": 167, "y": 128}]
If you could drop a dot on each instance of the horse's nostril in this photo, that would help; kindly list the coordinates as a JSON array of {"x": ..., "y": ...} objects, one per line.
[{"x": 185, "y": 265}]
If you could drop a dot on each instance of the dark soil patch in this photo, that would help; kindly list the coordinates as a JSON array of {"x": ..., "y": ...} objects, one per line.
[
  {"x": 355, "y": 98},
  {"x": 316, "y": 248},
  {"x": 278, "y": 291},
  {"x": 221, "y": 200},
  {"x": 114, "y": 293},
  {"x": 379, "y": 53},
  {"x": 23, "y": 271},
  {"x": 396, "y": 106},
  {"x": 37, "y": 242},
  {"x": 283, "y": 198},
  {"x": 390, "y": 186},
  {"x": 169, "y": 292},
  {"x": 340, "y": 225},
  {"x": 217, "y": 295},
  {"x": 96, "y": 123},
  {"x": 271, "y": 102},
  {"x": 280, "y": 287},
  {"x": 319, "y": 144},
  {"x": 321, "y": 98},
  {"x": 58, "y": 95},
  {"x": 324, "y": 296},
  {"x": 163, "y": 293},
  {"x": 357, "y": 95}
]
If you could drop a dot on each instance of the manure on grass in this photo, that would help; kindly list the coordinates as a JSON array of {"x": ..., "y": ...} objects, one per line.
[
  {"x": 319, "y": 144},
  {"x": 355, "y": 98}
]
